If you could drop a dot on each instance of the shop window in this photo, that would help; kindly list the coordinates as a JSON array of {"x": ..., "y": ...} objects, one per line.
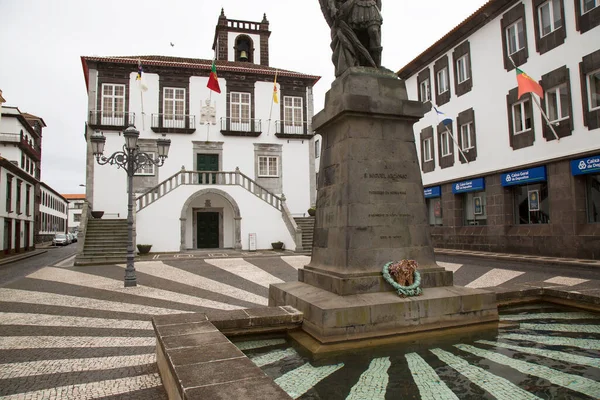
[
  {"x": 434, "y": 211},
  {"x": 531, "y": 204},
  {"x": 593, "y": 198},
  {"x": 475, "y": 206}
]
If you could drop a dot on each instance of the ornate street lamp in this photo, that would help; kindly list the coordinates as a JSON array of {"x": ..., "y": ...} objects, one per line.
[{"x": 131, "y": 159}]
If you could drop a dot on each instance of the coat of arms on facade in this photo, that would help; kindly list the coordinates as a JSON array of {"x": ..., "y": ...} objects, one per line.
[{"x": 208, "y": 113}]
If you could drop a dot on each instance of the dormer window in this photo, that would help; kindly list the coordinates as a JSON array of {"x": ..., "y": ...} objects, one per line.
[{"x": 244, "y": 49}]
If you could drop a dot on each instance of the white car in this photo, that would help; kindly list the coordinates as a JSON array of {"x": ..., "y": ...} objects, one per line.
[{"x": 60, "y": 239}]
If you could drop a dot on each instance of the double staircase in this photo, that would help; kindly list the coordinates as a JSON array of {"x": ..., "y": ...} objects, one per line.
[
  {"x": 105, "y": 242},
  {"x": 307, "y": 224}
]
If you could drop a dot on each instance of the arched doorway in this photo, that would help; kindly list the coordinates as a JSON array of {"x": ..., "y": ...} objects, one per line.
[{"x": 210, "y": 218}]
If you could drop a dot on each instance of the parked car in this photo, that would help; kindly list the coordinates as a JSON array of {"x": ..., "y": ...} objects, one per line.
[
  {"x": 70, "y": 237},
  {"x": 74, "y": 236},
  {"x": 60, "y": 239}
]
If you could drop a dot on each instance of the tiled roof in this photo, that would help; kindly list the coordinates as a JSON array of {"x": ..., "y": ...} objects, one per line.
[
  {"x": 195, "y": 63},
  {"x": 479, "y": 18},
  {"x": 35, "y": 117},
  {"x": 76, "y": 196}
]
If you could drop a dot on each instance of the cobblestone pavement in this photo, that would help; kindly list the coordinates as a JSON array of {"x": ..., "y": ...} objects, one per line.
[{"x": 76, "y": 333}]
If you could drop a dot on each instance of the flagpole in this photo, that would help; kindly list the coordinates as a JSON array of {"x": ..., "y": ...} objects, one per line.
[
  {"x": 457, "y": 145},
  {"x": 537, "y": 103},
  {"x": 272, "y": 101},
  {"x": 208, "y": 124},
  {"x": 141, "y": 93}
]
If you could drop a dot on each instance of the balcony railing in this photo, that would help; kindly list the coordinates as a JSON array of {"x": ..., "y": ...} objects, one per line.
[
  {"x": 173, "y": 123},
  {"x": 105, "y": 119},
  {"x": 291, "y": 129},
  {"x": 10, "y": 138},
  {"x": 33, "y": 151},
  {"x": 28, "y": 146},
  {"x": 241, "y": 127}
]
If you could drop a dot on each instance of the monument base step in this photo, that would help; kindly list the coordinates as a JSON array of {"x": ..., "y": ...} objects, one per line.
[
  {"x": 331, "y": 318},
  {"x": 372, "y": 282}
]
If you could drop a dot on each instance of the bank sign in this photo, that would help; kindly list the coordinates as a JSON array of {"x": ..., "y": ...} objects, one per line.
[
  {"x": 472, "y": 185},
  {"x": 590, "y": 165},
  {"x": 531, "y": 175},
  {"x": 431, "y": 192}
]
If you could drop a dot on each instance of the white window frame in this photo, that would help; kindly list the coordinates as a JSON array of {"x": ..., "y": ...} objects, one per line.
[
  {"x": 445, "y": 139},
  {"x": 523, "y": 106},
  {"x": 238, "y": 109},
  {"x": 174, "y": 119},
  {"x": 462, "y": 68},
  {"x": 514, "y": 28},
  {"x": 596, "y": 4},
  {"x": 442, "y": 75},
  {"x": 428, "y": 149},
  {"x": 465, "y": 133},
  {"x": 148, "y": 170},
  {"x": 558, "y": 104},
  {"x": 424, "y": 88},
  {"x": 293, "y": 105},
  {"x": 269, "y": 162},
  {"x": 112, "y": 116},
  {"x": 589, "y": 91},
  {"x": 550, "y": 4}
]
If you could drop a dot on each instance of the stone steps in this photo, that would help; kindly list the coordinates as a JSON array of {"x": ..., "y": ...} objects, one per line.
[
  {"x": 105, "y": 243},
  {"x": 307, "y": 224}
]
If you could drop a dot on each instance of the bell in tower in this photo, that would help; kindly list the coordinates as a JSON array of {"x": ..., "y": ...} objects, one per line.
[{"x": 244, "y": 49}]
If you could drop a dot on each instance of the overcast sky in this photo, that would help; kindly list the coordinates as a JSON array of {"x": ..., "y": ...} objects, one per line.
[{"x": 41, "y": 42}]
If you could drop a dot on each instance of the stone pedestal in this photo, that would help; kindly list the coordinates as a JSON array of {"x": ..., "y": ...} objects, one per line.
[{"x": 370, "y": 210}]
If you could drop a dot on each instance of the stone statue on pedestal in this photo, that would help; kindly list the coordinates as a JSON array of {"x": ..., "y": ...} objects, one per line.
[{"x": 355, "y": 32}]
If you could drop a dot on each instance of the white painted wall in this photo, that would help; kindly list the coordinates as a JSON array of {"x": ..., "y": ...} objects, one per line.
[
  {"x": 257, "y": 217},
  {"x": 232, "y": 36},
  {"x": 491, "y": 84},
  {"x": 74, "y": 211},
  {"x": 23, "y": 217}
]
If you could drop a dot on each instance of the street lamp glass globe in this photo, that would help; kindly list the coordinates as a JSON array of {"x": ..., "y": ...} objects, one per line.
[
  {"x": 98, "y": 140},
  {"x": 163, "y": 147},
  {"x": 131, "y": 136}
]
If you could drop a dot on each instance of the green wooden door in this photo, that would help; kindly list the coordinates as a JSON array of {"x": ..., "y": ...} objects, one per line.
[
  {"x": 207, "y": 162},
  {"x": 207, "y": 225}
]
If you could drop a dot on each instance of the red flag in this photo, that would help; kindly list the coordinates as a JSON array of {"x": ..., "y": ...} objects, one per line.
[
  {"x": 213, "y": 82},
  {"x": 528, "y": 85}
]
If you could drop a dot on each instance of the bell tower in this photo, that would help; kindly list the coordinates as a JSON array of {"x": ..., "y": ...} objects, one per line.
[{"x": 242, "y": 41}]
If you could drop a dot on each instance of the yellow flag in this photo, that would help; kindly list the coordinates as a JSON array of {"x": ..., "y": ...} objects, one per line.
[{"x": 275, "y": 97}]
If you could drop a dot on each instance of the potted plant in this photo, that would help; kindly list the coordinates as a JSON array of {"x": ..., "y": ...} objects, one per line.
[
  {"x": 277, "y": 245},
  {"x": 312, "y": 211},
  {"x": 144, "y": 248},
  {"x": 97, "y": 214}
]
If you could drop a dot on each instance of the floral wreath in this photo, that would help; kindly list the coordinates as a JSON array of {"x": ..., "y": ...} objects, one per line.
[{"x": 403, "y": 291}]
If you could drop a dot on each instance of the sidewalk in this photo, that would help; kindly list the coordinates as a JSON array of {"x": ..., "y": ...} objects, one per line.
[
  {"x": 21, "y": 256},
  {"x": 579, "y": 262}
]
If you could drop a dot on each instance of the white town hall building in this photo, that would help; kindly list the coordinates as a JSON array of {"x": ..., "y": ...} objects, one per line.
[{"x": 242, "y": 169}]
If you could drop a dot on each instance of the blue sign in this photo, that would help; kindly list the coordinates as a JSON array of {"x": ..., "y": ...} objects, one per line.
[
  {"x": 434, "y": 191},
  {"x": 537, "y": 174},
  {"x": 472, "y": 185},
  {"x": 590, "y": 165}
]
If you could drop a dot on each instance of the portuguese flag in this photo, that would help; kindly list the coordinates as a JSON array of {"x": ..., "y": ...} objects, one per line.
[
  {"x": 213, "y": 82},
  {"x": 528, "y": 85}
]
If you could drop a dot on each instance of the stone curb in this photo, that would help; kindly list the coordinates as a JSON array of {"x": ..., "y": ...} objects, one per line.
[
  {"x": 24, "y": 256},
  {"x": 521, "y": 258}
]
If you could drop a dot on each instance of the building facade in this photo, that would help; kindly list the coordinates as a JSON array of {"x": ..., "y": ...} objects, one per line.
[
  {"x": 240, "y": 166},
  {"x": 497, "y": 176},
  {"x": 20, "y": 153},
  {"x": 53, "y": 213},
  {"x": 75, "y": 209}
]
